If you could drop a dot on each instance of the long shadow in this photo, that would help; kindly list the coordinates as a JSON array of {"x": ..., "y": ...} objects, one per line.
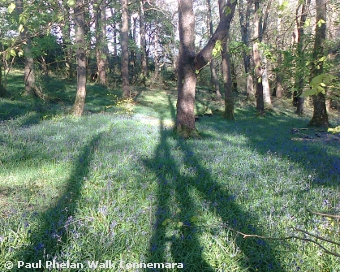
[
  {"x": 177, "y": 238},
  {"x": 275, "y": 135},
  {"x": 47, "y": 240}
]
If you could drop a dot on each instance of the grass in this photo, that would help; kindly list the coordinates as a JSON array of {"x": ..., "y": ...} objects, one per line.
[{"x": 118, "y": 185}]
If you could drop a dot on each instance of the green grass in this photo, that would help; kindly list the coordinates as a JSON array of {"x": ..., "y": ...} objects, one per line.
[{"x": 118, "y": 185}]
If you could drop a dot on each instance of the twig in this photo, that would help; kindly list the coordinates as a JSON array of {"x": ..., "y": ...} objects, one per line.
[
  {"x": 318, "y": 237},
  {"x": 282, "y": 238},
  {"x": 326, "y": 214}
]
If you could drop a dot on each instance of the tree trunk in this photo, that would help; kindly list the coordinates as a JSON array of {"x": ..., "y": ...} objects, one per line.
[
  {"x": 67, "y": 33},
  {"x": 227, "y": 80},
  {"x": 320, "y": 116},
  {"x": 143, "y": 42},
  {"x": 244, "y": 14},
  {"x": 156, "y": 55},
  {"x": 265, "y": 84},
  {"x": 185, "y": 119},
  {"x": 279, "y": 46},
  {"x": 101, "y": 49},
  {"x": 189, "y": 64},
  {"x": 29, "y": 76},
  {"x": 257, "y": 61},
  {"x": 79, "y": 104},
  {"x": 125, "y": 48},
  {"x": 214, "y": 80},
  {"x": 300, "y": 74},
  {"x": 263, "y": 21}
]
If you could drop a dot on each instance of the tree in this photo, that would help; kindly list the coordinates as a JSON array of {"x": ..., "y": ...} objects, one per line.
[
  {"x": 244, "y": 14},
  {"x": 227, "y": 80},
  {"x": 190, "y": 64},
  {"x": 301, "y": 60},
  {"x": 125, "y": 49},
  {"x": 143, "y": 42},
  {"x": 29, "y": 73},
  {"x": 185, "y": 120},
  {"x": 226, "y": 69},
  {"x": 214, "y": 78},
  {"x": 78, "y": 106},
  {"x": 101, "y": 45},
  {"x": 320, "y": 116},
  {"x": 257, "y": 61}
]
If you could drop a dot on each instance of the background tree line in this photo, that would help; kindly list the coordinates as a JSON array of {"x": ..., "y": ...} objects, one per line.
[{"x": 264, "y": 48}]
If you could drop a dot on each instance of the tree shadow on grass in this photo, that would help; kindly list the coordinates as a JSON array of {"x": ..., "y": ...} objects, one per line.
[
  {"x": 185, "y": 190},
  {"x": 47, "y": 239},
  {"x": 311, "y": 149}
]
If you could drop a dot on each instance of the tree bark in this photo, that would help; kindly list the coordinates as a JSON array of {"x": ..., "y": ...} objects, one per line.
[
  {"x": 265, "y": 83},
  {"x": 101, "y": 49},
  {"x": 190, "y": 64},
  {"x": 279, "y": 46},
  {"x": 263, "y": 22},
  {"x": 143, "y": 42},
  {"x": 29, "y": 75},
  {"x": 300, "y": 75},
  {"x": 155, "y": 54},
  {"x": 227, "y": 80},
  {"x": 244, "y": 14},
  {"x": 125, "y": 48},
  {"x": 67, "y": 33},
  {"x": 226, "y": 69},
  {"x": 257, "y": 61},
  {"x": 320, "y": 116},
  {"x": 205, "y": 55},
  {"x": 185, "y": 120},
  {"x": 214, "y": 79},
  {"x": 79, "y": 104}
]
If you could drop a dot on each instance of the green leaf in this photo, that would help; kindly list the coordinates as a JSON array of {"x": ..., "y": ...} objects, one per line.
[
  {"x": 166, "y": 221},
  {"x": 71, "y": 3},
  {"x": 307, "y": 22},
  {"x": 12, "y": 52},
  {"x": 217, "y": 49},
  {"x": 308, "y": 93},
  {"x": 21, "y": 28},
  {"x": 283, "y": 6},
  {"x": 334, "y": 130},
  {"x": 11, "y": 7},
  {"x": 179, "y": 224},
  {"x": 194, "y": 219},
  {"x": 322, "y": 59},
  {"x": 320, "y": 22},
  {"x": 227, "y": 11}
]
